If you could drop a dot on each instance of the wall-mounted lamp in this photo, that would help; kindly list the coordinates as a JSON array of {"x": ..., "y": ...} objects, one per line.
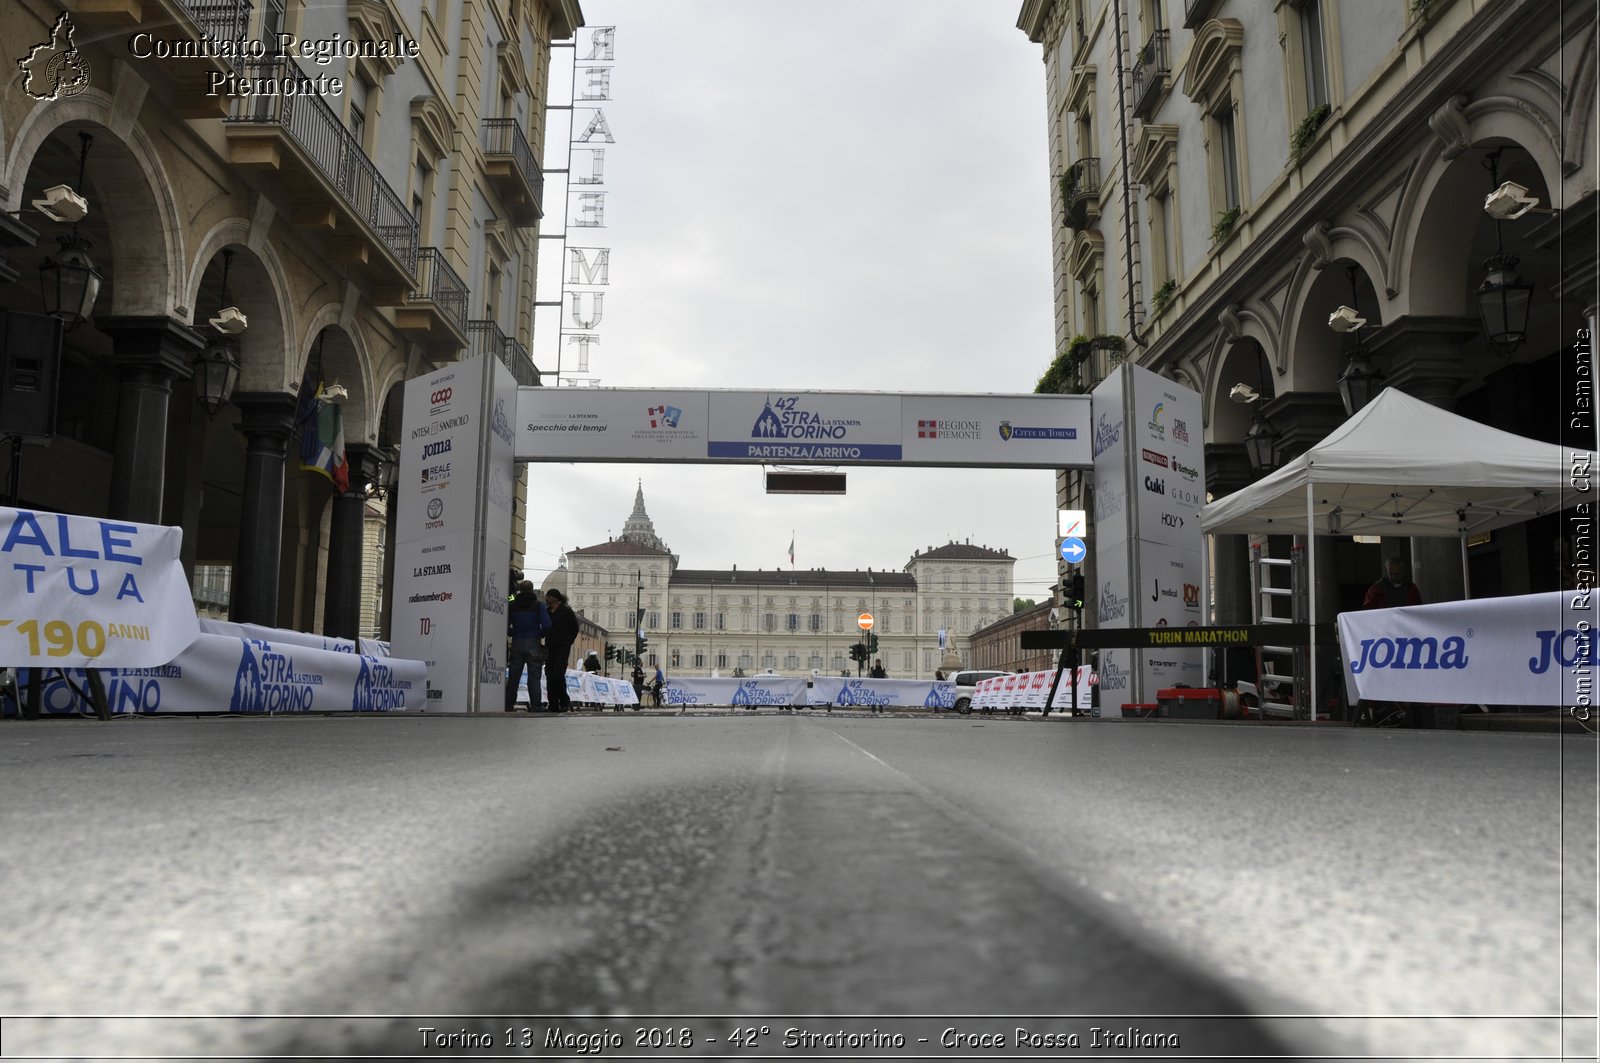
[
  {"x": 1504, "y": 298},
  {"x": 216, "y": 368},
  {"x": 68, "y": 281},
  {"x": 1361, "y": 381}
]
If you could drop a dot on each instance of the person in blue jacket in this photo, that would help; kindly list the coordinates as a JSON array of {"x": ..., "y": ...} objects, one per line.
[{"x": 527, "y": 622}]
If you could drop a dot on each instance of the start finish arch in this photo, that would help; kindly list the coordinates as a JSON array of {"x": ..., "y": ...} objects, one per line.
[{"x": 468, "y": 425}]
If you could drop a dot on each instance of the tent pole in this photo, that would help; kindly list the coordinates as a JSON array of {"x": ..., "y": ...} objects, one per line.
[
  {"x": 1205, "y": 604},
  {"x": 1311, "y": 601},
  {"x": 1466, "y": 576}
]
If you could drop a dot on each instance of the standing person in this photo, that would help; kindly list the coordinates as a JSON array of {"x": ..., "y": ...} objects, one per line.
[
  {"x": 1393, "y": 590},
  {"x": 558, "y": 649},
  {"x": 877, "y": 670},
  {"x": 591, "y": 663},
  {"x": 657, "y": 683},
  {"x": 526, "y": 624}
]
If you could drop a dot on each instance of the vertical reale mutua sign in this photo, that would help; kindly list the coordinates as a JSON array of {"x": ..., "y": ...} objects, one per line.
[{"x": 587, "y": 270}]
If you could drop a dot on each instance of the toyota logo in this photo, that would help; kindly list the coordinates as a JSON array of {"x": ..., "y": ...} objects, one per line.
[{"x": 435, "y": 508}]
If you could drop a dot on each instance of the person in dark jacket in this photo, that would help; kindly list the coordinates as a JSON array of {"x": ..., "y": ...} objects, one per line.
[
  {"x": 526, "y": 624},
  {"x": 558, "y": 649},
  {"x": 1395, "y": 589}
]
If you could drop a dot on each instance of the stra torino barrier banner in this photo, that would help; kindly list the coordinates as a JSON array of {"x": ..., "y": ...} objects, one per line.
[
  {"x": 1027, "y": 691},
  {"x": 84, "y": 592},
  {"x": 843, "y": 693},
  {"x": 585, "y": 688},
  {"x": 1531, "y": 649},
  {"x": 801, "y": 428},
  {"x": 272, "y": 672}
]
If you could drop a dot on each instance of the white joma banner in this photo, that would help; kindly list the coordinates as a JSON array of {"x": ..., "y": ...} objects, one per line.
[
  {"x": 81, "y": 592},
  {"x": 1532, "y": 649}
]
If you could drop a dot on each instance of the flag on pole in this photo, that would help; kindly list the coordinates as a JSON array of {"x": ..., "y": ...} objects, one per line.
[
  {"x": 791, "y": 549},
  {"x": 322, "y": 436}
]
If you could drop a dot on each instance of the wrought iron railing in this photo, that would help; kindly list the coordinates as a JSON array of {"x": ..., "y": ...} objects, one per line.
[
  {"x": 220, "y": 20},
  {"x": 1079, "y": 187},
  {"x": 442, "y": 286},
  {"x": 1149, "y": 68},
  {"x": 503, "y": 136},
  {"x": 335, "y": 153},
  {"x": 485, "y": 337}
]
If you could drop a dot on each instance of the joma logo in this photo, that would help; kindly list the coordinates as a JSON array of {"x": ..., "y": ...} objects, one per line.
[{"x": 1426, "y": 653}]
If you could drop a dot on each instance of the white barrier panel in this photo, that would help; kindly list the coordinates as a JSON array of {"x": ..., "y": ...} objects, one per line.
[
  {"x": 584, "y": 688},
  {"x": 370, "y": 647},
  {"x": 84, "y": 592},
  {"x": 222, "y": 674},
  {"x": 1531, "y": 649},
  {"x": 760, "y": 690},
  {"x": 1027, "y": 691},
  {"x": 877, "y": 693}
]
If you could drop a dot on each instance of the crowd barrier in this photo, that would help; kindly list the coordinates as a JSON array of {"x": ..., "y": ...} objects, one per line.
[
  {"x": 584, "y": 688},
  {"x": 233, "y": 668},
  {"x": 1026, "y": 691}
]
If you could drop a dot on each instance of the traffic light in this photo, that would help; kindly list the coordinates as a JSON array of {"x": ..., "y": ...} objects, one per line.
[
  {"x": 1074, "y": 594},
  {"x": 872, "y": 644},
  {"x": 611, "y": 652},
  {"x": 644, "y": 644},
  {"x": 859, "y": 652}
]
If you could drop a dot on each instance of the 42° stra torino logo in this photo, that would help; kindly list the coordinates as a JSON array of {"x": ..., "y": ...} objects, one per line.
[{"x": 55, "y": 69}]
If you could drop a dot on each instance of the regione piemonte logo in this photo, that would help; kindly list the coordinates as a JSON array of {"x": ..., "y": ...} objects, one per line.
[{"x": 55, "y": 69}]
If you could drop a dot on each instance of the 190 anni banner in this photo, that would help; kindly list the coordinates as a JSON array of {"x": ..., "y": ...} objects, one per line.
[{"x": 85, "y": 592}]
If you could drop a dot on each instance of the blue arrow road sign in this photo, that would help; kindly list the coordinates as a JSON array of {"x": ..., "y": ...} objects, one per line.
[{"x": 1072, "y": 550}]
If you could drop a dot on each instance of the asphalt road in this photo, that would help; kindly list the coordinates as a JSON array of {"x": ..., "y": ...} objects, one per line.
[{"x": 1338, "y": 892}]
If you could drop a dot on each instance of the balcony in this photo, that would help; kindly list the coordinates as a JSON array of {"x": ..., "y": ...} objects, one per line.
[
  {"x": 436, "y": 313},
  {"x": 181, "y": 22},
  {"x": 1151, "y": 73},
  {"x": 512, "y": 169},
  {"x": 1080, "y": 193},
  {"x": 485, "y": 337},
  {"x": 327, "y": 179},
  {"x": 1196, "y": 12}
]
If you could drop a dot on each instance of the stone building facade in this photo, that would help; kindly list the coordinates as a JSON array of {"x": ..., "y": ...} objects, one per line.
[
  {"x": 1226, "y": 173},
  {"x": 369, "y": 233},
  {"x": 700, "y": 621}
]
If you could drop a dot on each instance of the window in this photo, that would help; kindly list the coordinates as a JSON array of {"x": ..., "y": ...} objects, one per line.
[
  {"x": 699, "y": 621},
  {"x": 791, "y": 661},
  {"x": 722, "y": 660},
  {"x": 699, "y": 660},
  {"x": 816, "y": 623},
  {"x": 677, "y": 620},
  {"x": 1311, "y": 55},
  {"x": 769, "y": 662},
  {"x": 721, "y": 623},
  {"x": 769, "y": 621},
  {"x": 655, "y": 619},
  {"x": 792, "y": 622},
  {"x": 1228, "y": 154},
  {"x": 272, "y": 20},
  {"x": 357, "y": 116}
]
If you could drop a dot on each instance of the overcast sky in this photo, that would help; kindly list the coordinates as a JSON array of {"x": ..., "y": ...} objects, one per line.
[{"x": 835, "y": 195}]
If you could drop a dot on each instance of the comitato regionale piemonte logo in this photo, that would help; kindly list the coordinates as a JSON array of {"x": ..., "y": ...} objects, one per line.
[{"x": 55, "y": 69}]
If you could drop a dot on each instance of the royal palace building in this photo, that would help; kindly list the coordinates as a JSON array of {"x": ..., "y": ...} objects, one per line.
[
  {"x": 1226, "y": 174},
  {"x": 282, "y": 203},
  {"x": 797, "y": 621}
]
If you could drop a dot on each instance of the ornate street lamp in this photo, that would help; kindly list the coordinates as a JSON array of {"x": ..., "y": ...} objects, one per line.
[
  {"x": 216, "y": 368},
  {"x": 68, "y": 281},
  {"x": 1261, "y": 444},
  {"x": 1504, "y": 298},
  {"x": 1361, "y": 381}
]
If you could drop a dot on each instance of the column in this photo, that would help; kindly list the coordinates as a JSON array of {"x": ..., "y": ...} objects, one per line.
[
  {"x": 1228, "y": 470},
  {"x": 341, "y": 612},
  {"x": 148, "y": 354},
  {"x": 1428, "y": 361},
  {"x": 266, "y": 421}
]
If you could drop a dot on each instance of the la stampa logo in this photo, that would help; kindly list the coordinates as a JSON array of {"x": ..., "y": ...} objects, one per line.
[{"x": 55, "y": 69}]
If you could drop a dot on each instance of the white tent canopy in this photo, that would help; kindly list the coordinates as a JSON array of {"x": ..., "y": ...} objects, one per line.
[{"x": 1404, "y": 467}]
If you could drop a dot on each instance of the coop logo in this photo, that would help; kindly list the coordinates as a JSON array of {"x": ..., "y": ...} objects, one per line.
[
  {"x": 1155, "y": 485},
  {"x": 1180, "y": 431},
  {"x": 663, "y": 416},
  {"x": 1106, "y": 435},
  {"x": 1568, "y": 649},
  {"x": 267, "y": 682},
  {"x": 1427, "y": 654},
  {"x": 1155, "y": 426},
  {"x": 439, "y": 401},
  {"x": 490, "y": 669},
  {"x": 493, "y": 601},
  {"x": 377, "y": 689},
  {"x": 500, "y": 424},
  {"x": 55, "y": 69},
  {"x": 1113, "y": 606},
  {"x": 1153, "y": 457},
  {"x": 1185, "y": 470}
]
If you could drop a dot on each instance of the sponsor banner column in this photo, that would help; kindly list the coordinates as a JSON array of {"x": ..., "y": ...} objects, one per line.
[
  {"x": 494, "y": 534},
  {"x": 436, "y": 530},
  {"x": 1111, "y": 539}
]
